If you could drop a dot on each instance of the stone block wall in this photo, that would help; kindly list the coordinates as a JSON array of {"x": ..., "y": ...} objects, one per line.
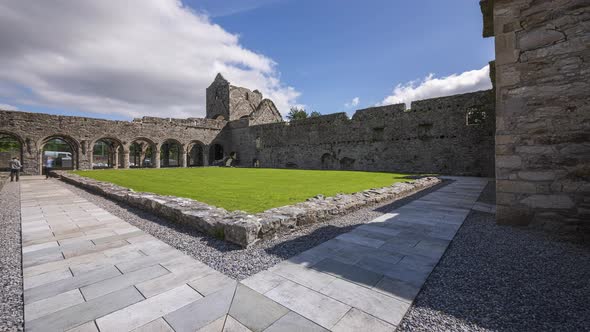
[
  {"x": 433, "y": 137},
  {"x": 543, "y": 112}
]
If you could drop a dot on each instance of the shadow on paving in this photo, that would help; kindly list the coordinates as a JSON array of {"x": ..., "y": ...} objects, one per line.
[
  {"x": 505, "y": 278},
  {"x": 329, "y": 232}
]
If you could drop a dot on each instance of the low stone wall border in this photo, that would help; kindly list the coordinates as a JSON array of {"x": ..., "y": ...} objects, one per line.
[{"x": 240, "y": 227}]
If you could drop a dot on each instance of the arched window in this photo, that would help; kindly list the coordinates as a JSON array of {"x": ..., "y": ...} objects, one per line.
[
  {"x": 59, "y": 152},
  {"x": 10, "y": 147},
  {"x": 170, "y": 154}
]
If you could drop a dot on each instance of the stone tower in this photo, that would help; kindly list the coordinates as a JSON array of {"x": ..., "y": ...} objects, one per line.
[{"x": 218, "y": 99}]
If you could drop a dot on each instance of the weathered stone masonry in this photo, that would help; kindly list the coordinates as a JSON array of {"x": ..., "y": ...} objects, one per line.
[
  {"x": 543, "y": 111},
  {"x": 434, "y": 136}
]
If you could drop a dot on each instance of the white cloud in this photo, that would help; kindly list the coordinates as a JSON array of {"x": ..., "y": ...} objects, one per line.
[
  {"x": 431, "y": 87},
  {"x": 131, "y": 58},
  {"x": 353, "y": 103},
  {"x": 8, "y": 107}
]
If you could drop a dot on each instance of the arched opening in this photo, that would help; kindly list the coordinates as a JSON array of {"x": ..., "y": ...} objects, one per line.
[
  {"x": 10, "y": 147},
  {"x": 195, "y": 155},
  {"x": 170, "y": 154},
  {"x": 141, "y": 153},
  {"x": 255, "y": 163},
  {"x": 60, "y": 153},
  {"x": 107, "y": 153},
  {"x": 215, "y": 153},
  {"x": 329, "y": 162}
]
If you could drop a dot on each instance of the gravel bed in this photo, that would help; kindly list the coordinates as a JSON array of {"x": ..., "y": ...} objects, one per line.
[
  {"x": 501, "y": 278},
  {"x": 231, "y": 259},
  {"x": 11, "y": 294}
]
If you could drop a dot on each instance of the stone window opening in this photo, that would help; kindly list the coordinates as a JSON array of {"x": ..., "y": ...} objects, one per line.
[
  {"x": 378, "y": 134},
  {"x": 258, "y": 144},
  {"x": 475, "y": 117}
]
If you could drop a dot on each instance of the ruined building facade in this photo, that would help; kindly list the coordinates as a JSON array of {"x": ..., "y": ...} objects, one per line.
[{"x": 449, "y": 135}]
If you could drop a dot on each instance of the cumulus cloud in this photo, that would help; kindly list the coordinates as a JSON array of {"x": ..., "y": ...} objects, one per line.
[
  {"x": 353, "y": 103},
  {"x": 431, "y": 86},
  {"x": 130, "y": 58}
]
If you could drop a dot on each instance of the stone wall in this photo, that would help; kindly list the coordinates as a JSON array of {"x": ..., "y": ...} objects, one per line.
[
  {"x": 433, "y": 137},
  {"x": 34, "y": 129},
  {"x": 543, "y": 112}
]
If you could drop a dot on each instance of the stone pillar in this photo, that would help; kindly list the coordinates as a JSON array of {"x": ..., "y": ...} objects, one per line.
[
  {"x": 142, "y": 154},
  {"x": 126, "y": 158},
  {"x": 205, "y": 155},
  {"x": 116, "y": 158},
  {"x": 90, "y": 158},
  {"x": 156, "y": 156},
  {"x": 183, "y": 156}
]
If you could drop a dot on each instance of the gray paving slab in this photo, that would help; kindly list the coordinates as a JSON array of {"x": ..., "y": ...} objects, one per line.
[
  {"x": 293, "y": 322},
  {"x": 84, "y": 312},
  {"x": 62, "y": 286},
  {"x": 233, "y": 325},
  {"x": 384, "y": 307},
  {"x": 50, "y": 305},
  {"x": 349, "y": 272},
  {"x": 122, "y": 281},
  {"x": 357, "y": 320},
  {"x": 319, "y": 308},
  {"x": 143, "y": 312},
  {"x": 361, "y": 240},
  {"x": 158, "y": 325},
  {"x": 212, "y": 283},
  {"x": 202, "y": 312},
  {"x": 302, "y": 275},
  {"x": 42, "y": 279},
  {"x": 266, "y": 312},
  {"x": 399, "y": 289}
]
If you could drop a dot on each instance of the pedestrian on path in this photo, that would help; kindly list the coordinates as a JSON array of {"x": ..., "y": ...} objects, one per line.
[
  {"x": 15, "y": 167},
  {"x": 48, "y": 167}
]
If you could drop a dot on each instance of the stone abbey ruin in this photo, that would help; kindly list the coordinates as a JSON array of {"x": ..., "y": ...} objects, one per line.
[{"x": 531, "y": 131}]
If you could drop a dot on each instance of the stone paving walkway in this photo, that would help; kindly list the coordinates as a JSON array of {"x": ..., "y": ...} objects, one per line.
[{"x": 87, "y": 270}]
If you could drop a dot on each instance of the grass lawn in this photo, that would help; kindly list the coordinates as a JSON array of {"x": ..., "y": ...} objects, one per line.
[{"x": 247, "y": 189}]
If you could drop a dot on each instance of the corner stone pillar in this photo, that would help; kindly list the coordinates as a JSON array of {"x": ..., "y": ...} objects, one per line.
[
  {"x": 126, "y": 159},
  {"x": 156, "y": 156}
]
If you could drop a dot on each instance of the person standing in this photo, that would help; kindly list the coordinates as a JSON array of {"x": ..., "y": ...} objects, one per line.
[
  {"x": 15, "y": 167},
  {"x": 48, "y": 167}
]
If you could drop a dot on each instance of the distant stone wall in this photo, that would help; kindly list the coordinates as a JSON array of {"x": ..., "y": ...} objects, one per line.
[
  {"x": 543, "y": 112},
  {"x": 33, "y": 129},
  {"x": 433, "y": 137}
]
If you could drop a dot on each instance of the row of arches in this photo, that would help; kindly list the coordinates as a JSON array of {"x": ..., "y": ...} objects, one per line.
[{"x": 62, "y": 152}]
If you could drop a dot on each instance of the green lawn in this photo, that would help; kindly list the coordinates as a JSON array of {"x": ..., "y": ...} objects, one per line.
[{"x": 248, "y": 189}]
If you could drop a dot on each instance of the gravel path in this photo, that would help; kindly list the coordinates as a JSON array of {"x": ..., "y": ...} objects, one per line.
[
  {"x": 11, "y": 294},
  {"x": 500, "y": 278},
  {"x": 231, "y": 259}
]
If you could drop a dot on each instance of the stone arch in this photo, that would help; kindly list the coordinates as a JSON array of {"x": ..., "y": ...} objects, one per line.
[
  {"x": 106, "y": 152},
  {"x": 62, "y": 150},
  {"x": 11, "y": 145},
  {"x": 219, "y": 117},
  {"x": 195, "y": 154},
  {"x": 141, "y": 152},
  {"x": 216, "y": 153},
  {"x": 329, "y": 161},
  {"x": 171, "y": 153}
]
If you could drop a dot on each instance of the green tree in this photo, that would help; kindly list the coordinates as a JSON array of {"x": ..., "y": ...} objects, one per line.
[{"x": 298, "y": 113}]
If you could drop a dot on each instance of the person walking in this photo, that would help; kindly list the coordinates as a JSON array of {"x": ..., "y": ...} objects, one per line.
[
  {"x": 15, "y": 167},
  {"x": 48, "y": 167}
]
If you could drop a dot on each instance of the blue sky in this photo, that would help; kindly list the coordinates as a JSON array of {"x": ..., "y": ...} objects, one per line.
[
  {"x": 153, "y": 57},
  {"x": 335, "y": 50}
]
